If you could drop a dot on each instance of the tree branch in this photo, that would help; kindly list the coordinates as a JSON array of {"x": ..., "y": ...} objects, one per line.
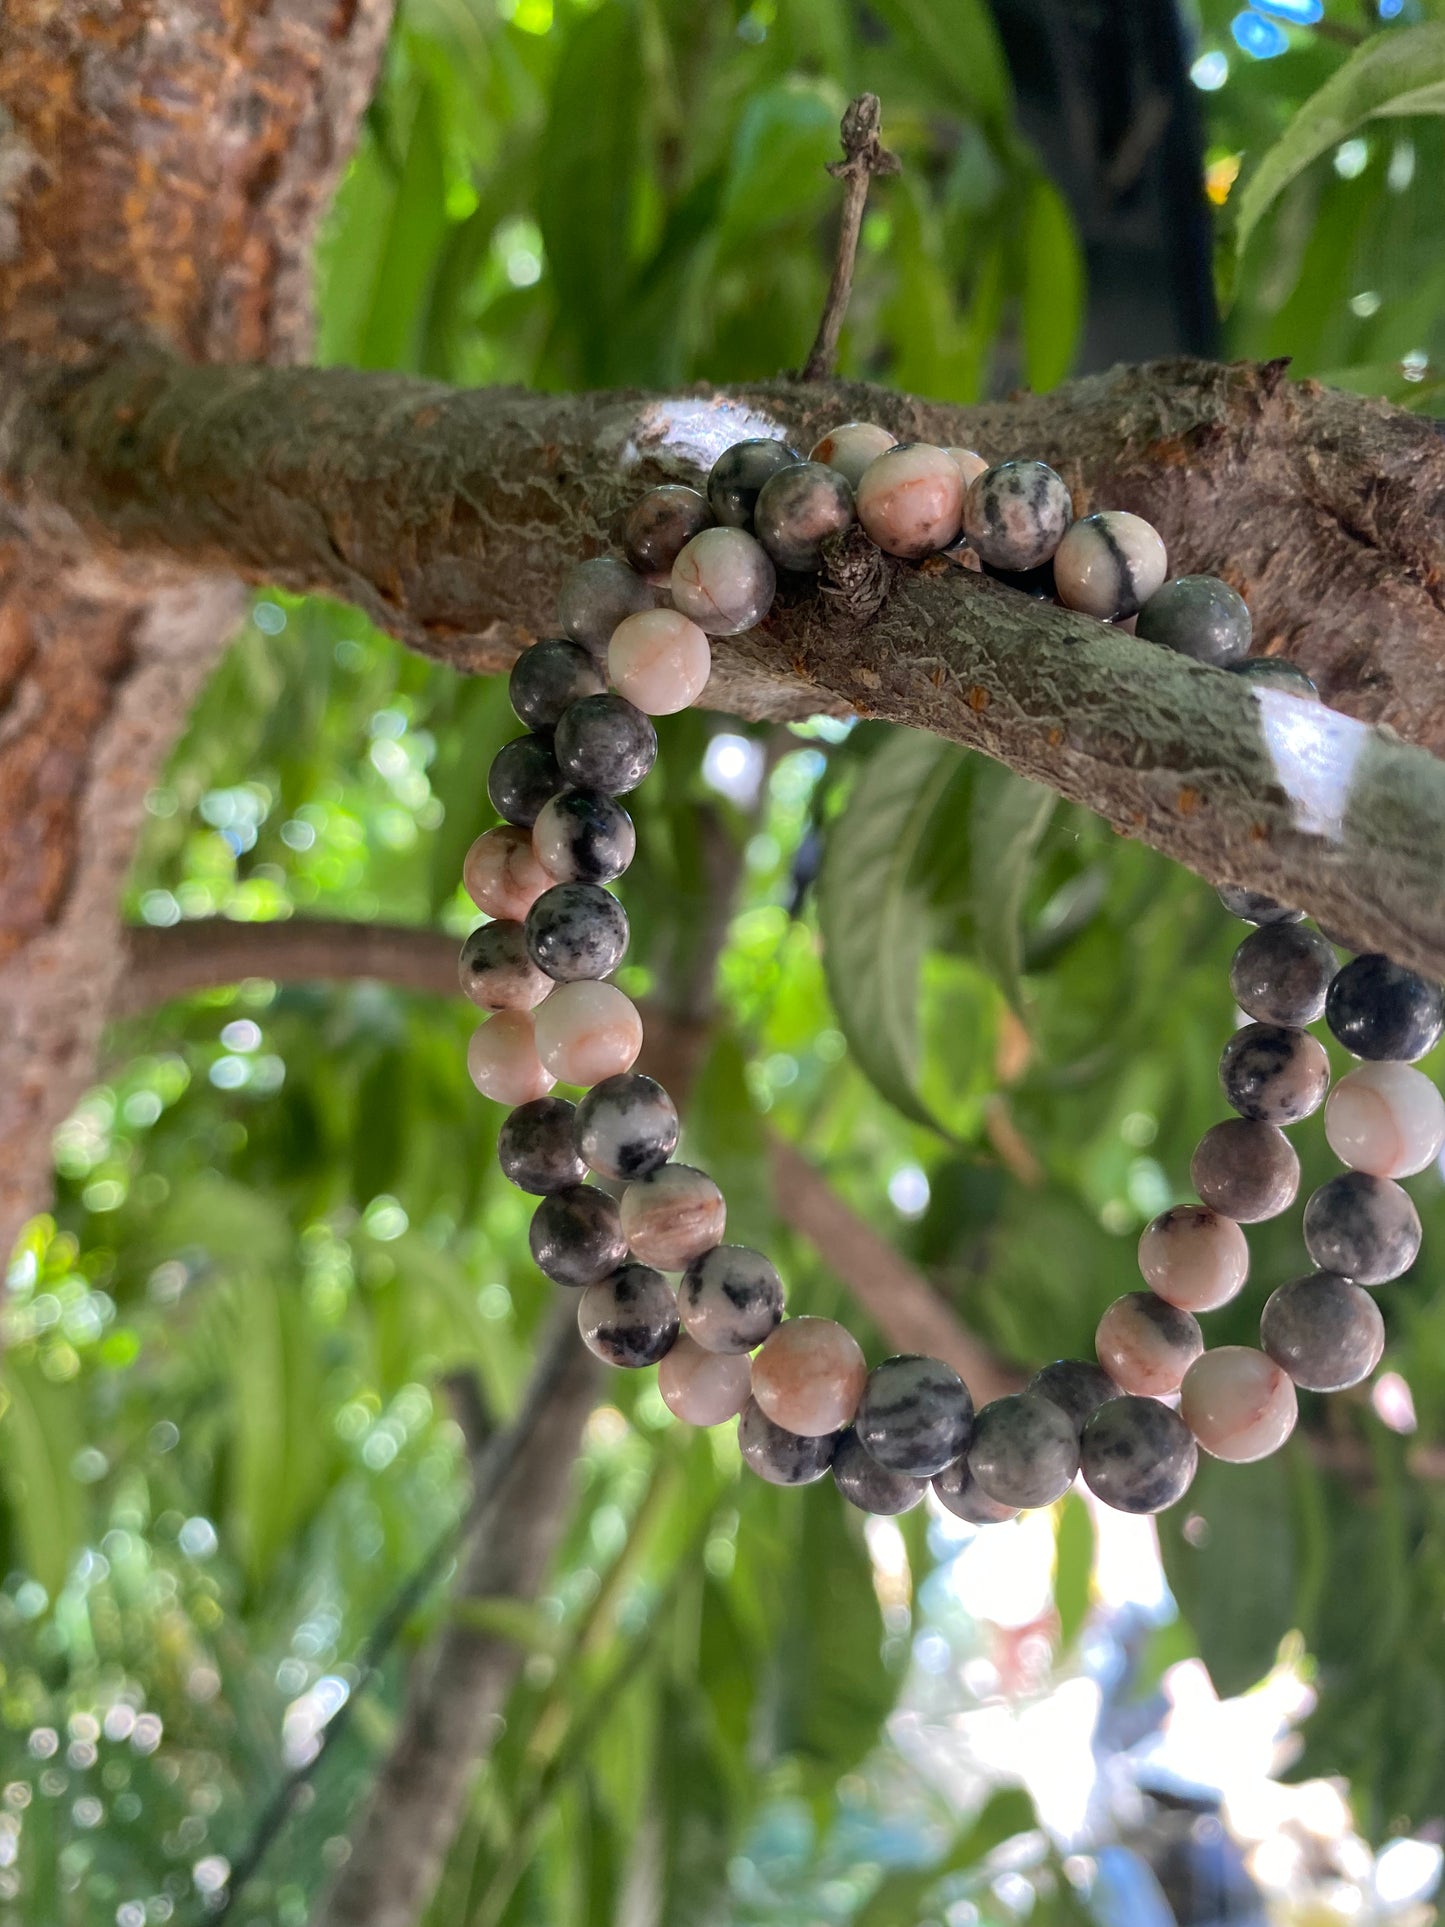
[{"x": 864, "y": 155}]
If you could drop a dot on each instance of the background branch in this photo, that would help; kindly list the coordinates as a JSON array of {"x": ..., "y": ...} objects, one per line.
[{"x": 864, "y": 155}]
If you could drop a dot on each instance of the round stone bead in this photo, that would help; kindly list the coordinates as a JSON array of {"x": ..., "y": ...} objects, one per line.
[
  {"x": 1193, "y": 1258},
  {"x": 501, "y": 874},
  {"x": 1364, "y": 1228},
  {"x": 673, "y": 1215},
  {"x": 779, "y": 1456},
  {"x": 1246, "y": 1170},
  {"x": 970, "y": 463},
  {"x": 736, "y": 478},
  {"x": 1253, "y": 906},
  {"x": 627, "y": 1127},
  {"x": 523, "y": 775},
  {"x": 1108, "y": 565},
  {"x": 725, "y": 580},
  {"x": 1138, "y": 1456},
  {"x": 630, "y": 1318},
  {"x": 576, "y": 930},
  {"x": 1273, "y": 1074},
  {"x": 502, "y": 1059},
  {"x": 798, "y": 509},
  {"x": 809, "y": 1375},
  {"x": 536, "y": 1148},
  {"x": 1273, "y": 672},
  {"x": 1016, "y": 514},
  {"x": 910, "y": 499},
  {"x": 495, "y": 971},
  {"x": 660, "y": 661},
  {"x": 850, "y": 447},
  {"x": 1145, "y": 1345},
  {"x": 703, "y": 1388},
  {"x": 587, "y": 1032},
  {"x": 960, "y": 1493},
  {"x": 1239, "y": 1404},
  {"x": 660, "y": 525},
  {"x": 870, "y": 1486},
  {"x": 549, "y": 677},
  {"x": 731, "y": 1299},
  {"x": 596, "y": 596},
  {"x": 1077, "y": 1387},
  {"x": 1037, "y": 584},
  {"x": 1380, "y": 1010},
  {"x": 576, "y": 1236},
  {"x": 1280, "y": 974},
  {"x": 1025, "y": 1451},
  {"x": 1387, "y": 1119},
  {"x": 605, "y": 743},
  {"x": 1198, "y": 616},
  {"x": 1326, "y": 1332},
  {"x": 915, "y": 1415},
  {"x": 584, "y": 836}
]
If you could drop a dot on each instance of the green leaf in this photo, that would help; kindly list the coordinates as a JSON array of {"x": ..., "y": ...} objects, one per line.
[
  {"x": 519, "y": 1621},
  {"x": 727, "y": 1137},
  {"x": 39, "y": 1438},
  {"x": 899, "y": 1896},
  {"x": 785, "y": 137},
  {"x": 1073, "y": 1568},
  {"x": 1054, "y": 288},
  {"x": 955, "y": 42},
  {"x": 1008, "y": 817},
  {"x": 694, "y": 1805},
  {"x": 414, "y": 231}
]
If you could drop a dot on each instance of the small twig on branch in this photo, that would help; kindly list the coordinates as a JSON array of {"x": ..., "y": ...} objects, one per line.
[{"x": 864, "y": 155}]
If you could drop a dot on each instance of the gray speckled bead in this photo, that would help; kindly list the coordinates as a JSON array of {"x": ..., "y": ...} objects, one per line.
[
  {"x": 536, "y": 1148},
  {"x": 731, "y": 1299},
  {"x": 626, "y": 1126},
  {"x": 496, "y": 972},
  {"x": 1025, "y": 1451},
  {"x": 1325, "y": 1331},
  {"x": 1015, "y": 514},
  {"x": 1245, "y": 1171},
  {"x": 1274, "y": 1074},
  {"x": 594, "y": 598},
  {"x": 736, "y": 478},
  {"x": 1380, "y": 1010},
  {"x": 605, "y": 743},
  {"x": 1253, "y": 906},
  {"x": 870, "y": 1486},
  {"x": 523, "y": 775},
  {"x": 576, "y": 930},
  {"x": 797, "y": 510},
  {"x": 1366, "y": 1229},
  {"x": 1076, "y": 1386},
  {"x": 549, "y": 677},
  {"x": 1138, "y": 1456},
  {"x": 576, "y": 1236},
  {"x": 584, "y": 836},
  {"x": 1198, "y": 616},
  {"x": 915, "y": 1415},
  {"x": 660, "y": 525},
  {"x": 630, "y": 1318},
  {"x": 724, "y": 580},
  {"x": 1273, "y": 672},
  {"x": 960, "y": 1493},
  {"x": 1109, "y": 564},
  {"x": 1280, "y": 974},
  {"x": 782, "y": 1458}
]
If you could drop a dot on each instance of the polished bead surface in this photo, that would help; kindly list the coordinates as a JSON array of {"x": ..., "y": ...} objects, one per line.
[
  {"x": 1273, "y": 672},
  {"x": 969, "y": 462},
  {"x": 673, "y": 1215},
  {"x": 584, "y": 836},
  {"x": 959, "y": 1492},
  {"x": 736, "y": 478},
  {"x": 576, "y": 930},
  {"x": 1198, "y": 616},
  {"x": 910, "y": 499},
  {"x": 587, "y": 1032},
  {"x": 1281, "y": 973},
  {"x": 850, "y": 447},
  {"x": 915, "y": 1415},
  {"x": 725, "y": 580},
  {"x": 659, "y": 661},
  {"x": 1109, "y": 564},
  {"x": 1245, "y": 1170},
  {"x": 502, "y": 1059},
  {"x": 605, "y": 743},
  {"x": 1253, "y": 906},
  {"x": 798, "y": 509},
  {"x": 703, "y": 1388},
  {"x": 1273, "y": 1074},
  {"x": 1387, "y": 1119},
  {"x": 1326, "y": 1332},
  {"x": 549, "y": 677},
  {"x": 536, "y": 1148},
  {"x": 870, "y": 1486},
  {"x": 594, "y": 598},
  {"x": 576, "y": 1236},
  {"x": 1138, "y": 1456},
  {"x": 627, "y": 1126},
  {"x": 809, "y": 1375},
  {"x": 1016, "y": 513},
  {"x": 1238, "y": 1403},
  {"x": 1380, "y": 1010},
  {"x": 779, "y": 1456},
  {"x": 1076, "y": 1385},
  {"x": 495, "y": 971},
  {"x": 1146, "y": 1345},
  {"x": 731, "y": 1298},
  {"x": 1025, "y": 1451},
  {"x": 630, "y": 1318},
  {"x": 501, "y": 873},
  {"x": 1193, "y": 1258},
  {"x": 661, "y": 523},
  {"x": 523, "y": 775},
  {"x": 1362, "y": 1227}
]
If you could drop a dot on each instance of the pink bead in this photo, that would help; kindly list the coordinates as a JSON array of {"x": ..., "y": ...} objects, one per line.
[
  {"x": 970, "y": 463},
  {"x": 659, "y": 660},
  {"x": 501, "y": 874},
  {"x": 586, "y": 1031},
  {"x": 1193, "y": 1258},
  {"x": 1387, "y": 1119},
  {"x": 672, "y": 1216},
  {"x": 703, "y": 1388},
  {"x": 851, "y": 447},
  {"x": 1145, "y": 1345},
  {"x": 809, "y": 1376},
  {"x": 1239, "y": 1404},
  {"x": 910, "y": 500},
  {"x": 503, "y": 1062}
]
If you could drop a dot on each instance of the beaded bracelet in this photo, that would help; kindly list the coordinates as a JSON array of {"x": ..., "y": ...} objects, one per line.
[{"x": 800, "y": 1388}]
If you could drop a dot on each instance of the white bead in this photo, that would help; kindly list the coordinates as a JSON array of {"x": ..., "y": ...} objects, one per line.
[
  {"x": 1387, "y": 1119},
  {"x": 1193, "y": 1258},
  {"x": 910, "y": 500},
  {"x": 703, "y": 1388},
  {"x": 586, "y": 1031},
  {"x": 1109, "y": 564},
  {"x": 659, "y": 660},
  {"x": 970, "y": 463},
  {"x": 501, "y": 874},
  {"x": 850, "y": 448},
  {"x": 503, "y": 1062},
  {"x": 1238, "y": 1403}
]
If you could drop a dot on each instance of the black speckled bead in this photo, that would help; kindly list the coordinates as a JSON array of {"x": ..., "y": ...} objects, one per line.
[
  {"x": 630, "y": 1318},
  {"x": 576, "y": 930},
  {"x": 594, "y": 598},
  {"x": 782, "y": 1458},
  {"x": 1015, "y": 514},
  {"x": 626, "y": 1126},
  {"x": 1245, "y": 1170},
  {"x": 605, "y": 743},
  {"x": 536, "y": 1148},
  {"x": 1366, "y": 1229},
  {"x": 731, "y": 1299},
  {"x": 736, "y": 478},
  {"x": 915, "y": 1415},
  {"x": 549, "y": 677},
  {"x": 1025, "y": 1451},
  {"x": 576, "y": 1236},
  {"x": 584, "y": 836},
  {"x": 1076, "y": 1386},
  {"x": 661, "y": 523},
  {"x": 870, "y": 1486},
  {"x": 1273, "y": 1074},
  {"x": 1380, "y": 1010},
  {"x": 1138, "y": 1456},
  {"x": 1253, "y": 906},
  {"x": 1325, "y": 1331},
  {"x": 797, "y": 509},
  {"x": 957, "y": 1490},
  {"x": 1198, "y": 616},
  {"x": 1281, "y": 972},
  {"x": 496, "y": 972},
  {"x": 1273, "y": 672},
  {"x": 523, "y": 775}
]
